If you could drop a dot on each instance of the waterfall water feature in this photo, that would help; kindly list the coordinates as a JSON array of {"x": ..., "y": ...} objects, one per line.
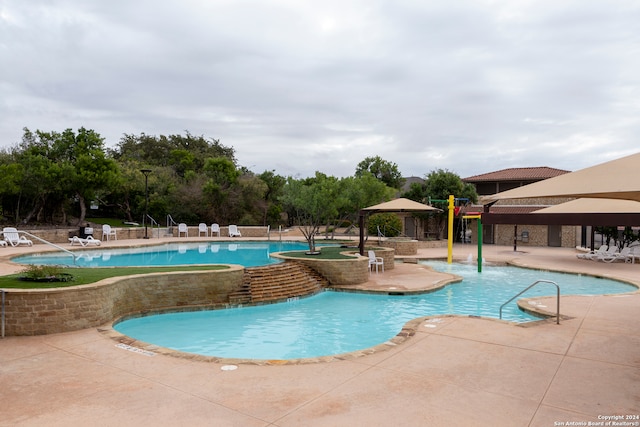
[{"x": 470, "y": 259}]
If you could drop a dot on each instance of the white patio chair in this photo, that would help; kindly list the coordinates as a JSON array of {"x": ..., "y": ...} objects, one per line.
[
  {"x": 202, "y": 228},
  {"x": 375, "y": 261},
  {"x": 215, "y": 228},
  {"x": 183, "y": 229},
  {"x": 108, "y": 232},
  {"x": 234, "y": 232}
]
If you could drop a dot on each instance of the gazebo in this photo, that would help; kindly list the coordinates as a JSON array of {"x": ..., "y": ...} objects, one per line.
[{"x": 395, "y": 205}]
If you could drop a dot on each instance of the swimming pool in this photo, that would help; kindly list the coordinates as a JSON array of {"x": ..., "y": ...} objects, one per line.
[
  {"x": 338, "y": 322},
  {"x": 247, "y": 254}
]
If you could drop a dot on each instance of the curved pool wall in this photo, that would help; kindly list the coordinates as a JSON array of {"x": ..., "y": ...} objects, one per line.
[
  {"x": 333, "y": 323},
  {"x": 55, "y": 310}
]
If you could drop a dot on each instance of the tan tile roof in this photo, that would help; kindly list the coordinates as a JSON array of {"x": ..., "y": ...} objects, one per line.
[{"x": 518, "y": 174}]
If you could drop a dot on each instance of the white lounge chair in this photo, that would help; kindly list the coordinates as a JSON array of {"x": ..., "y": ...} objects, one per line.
[
  {"x": 215, "y": 228},
  {"x": 634, "y": 253},
  {"x": 607, "y": 256},
  {"x": 202, "y": 228},
  {"x": 108, "y": 232},
  {"x": 375, "y": 261},
  {"x": 183, "y": 229},
  {"x": 12, "y": 237},
  {"x": 589, "y": 255},
  {"x": 89, "y": 240},
  {"x": 234, "y": 232},
  {"x": 625, "y": 255}
]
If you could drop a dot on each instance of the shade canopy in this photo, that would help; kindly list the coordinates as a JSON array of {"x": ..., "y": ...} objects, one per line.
[
  {"x": 593, "y": 206},
  {"x": 401, "y": 205},
  {"x": 395, "y": 205},
  {"x": 616, "y": 179}
]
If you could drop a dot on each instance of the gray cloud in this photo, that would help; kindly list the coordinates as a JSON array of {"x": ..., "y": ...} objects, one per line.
[{"x": 470, "y": 86}]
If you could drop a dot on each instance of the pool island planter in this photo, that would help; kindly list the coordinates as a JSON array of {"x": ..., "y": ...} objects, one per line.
[
  {"x": 353, "y": 270},
  {"x": 45, "y": 311}
]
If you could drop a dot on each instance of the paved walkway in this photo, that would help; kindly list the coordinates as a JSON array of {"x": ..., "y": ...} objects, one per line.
[{"x": 455, "y": 371}]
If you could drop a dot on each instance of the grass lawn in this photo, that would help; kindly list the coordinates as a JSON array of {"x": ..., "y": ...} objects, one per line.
[
  {"x": 326, "y": 252},
  {"x": 83, "y": 276}
]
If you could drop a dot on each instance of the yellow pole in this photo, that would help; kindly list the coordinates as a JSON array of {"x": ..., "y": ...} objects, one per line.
[{"x": 450, "y": 230}]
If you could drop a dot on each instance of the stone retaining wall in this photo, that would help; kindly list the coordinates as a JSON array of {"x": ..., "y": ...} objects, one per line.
[
  {"x": 49, "y": 311},
  {"x": 61, "y": 235},
  {"x": 425, "y": 244},
  {"x": 401, "y": 247},
  {"x": 245, "y": 230}
]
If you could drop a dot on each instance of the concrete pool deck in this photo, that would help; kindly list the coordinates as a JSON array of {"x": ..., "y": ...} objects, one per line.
[{"x": 455, "y": 371}]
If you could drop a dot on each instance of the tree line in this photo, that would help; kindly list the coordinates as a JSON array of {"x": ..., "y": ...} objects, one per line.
[{"x": 65, "y": 178}]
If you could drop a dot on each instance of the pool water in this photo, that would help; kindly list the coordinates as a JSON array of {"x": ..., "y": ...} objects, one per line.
[
  {"x": 247, "y": 254},
  {"x": 338, "y": 322}
]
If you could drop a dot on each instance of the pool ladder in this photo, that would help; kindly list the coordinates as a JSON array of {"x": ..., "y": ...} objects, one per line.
[{"x": 531, "y": 286}]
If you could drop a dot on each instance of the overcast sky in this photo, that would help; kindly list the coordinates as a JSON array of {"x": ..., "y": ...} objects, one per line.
[{"x": 296, "y": 86}]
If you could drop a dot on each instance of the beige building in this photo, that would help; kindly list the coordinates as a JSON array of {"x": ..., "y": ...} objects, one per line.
[{"x": 521, "y": 235}]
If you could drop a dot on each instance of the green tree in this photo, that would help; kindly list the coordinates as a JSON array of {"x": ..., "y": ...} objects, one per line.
[
  {"x": 272, "y": 206},
  {"x": 356, "y": 193},
  {"x": 311, "y": 202},
  {"x": 438, "y": 185},
  {"x": 221, "y": 176},
  {"x": 388, "y": 223},
  {"x": 32, "y": 180},
  {"x": 383, "y": 170},
  {"x": 181, "y": 152},
  {"x": 86, "y": 168},
  {"x": 249, "y": 192}
]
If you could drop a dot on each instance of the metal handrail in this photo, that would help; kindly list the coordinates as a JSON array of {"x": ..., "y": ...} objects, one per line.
[
  {"x": 381, "y": 233},
  {"x": 75, "y": 257},
  {"x": 153, "y": 221},
  {"x": 170, "y": 221},
  {"x": 531, "y": 286}
]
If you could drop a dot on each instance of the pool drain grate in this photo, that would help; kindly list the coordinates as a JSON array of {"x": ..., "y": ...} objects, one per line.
[{"x": 135, "y": 349}]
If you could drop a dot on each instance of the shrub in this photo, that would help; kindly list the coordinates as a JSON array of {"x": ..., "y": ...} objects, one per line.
[
  {"x": 44, "y": 272},
  {"x": 389, "y": 223}
]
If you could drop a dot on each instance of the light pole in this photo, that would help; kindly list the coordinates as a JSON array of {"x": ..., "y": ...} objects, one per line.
[{"x": 146, "y": 173}]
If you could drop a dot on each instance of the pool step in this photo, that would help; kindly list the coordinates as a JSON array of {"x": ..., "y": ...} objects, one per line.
[{"x": 277, "y": 282}]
